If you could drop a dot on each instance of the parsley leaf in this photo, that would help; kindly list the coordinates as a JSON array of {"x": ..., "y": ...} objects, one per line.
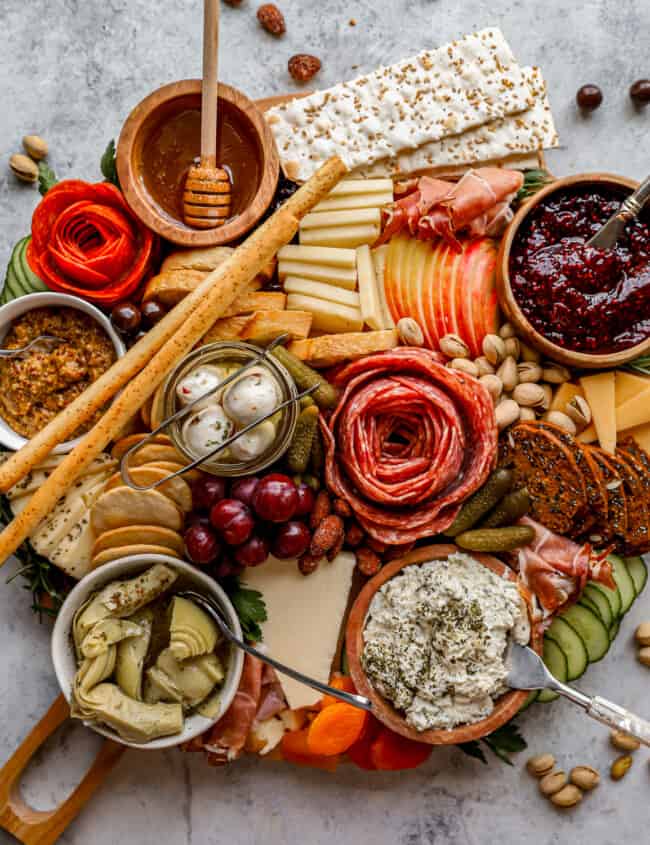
[
  {"x": 108, "y": 164},
  {"x": 534, "y": 180},
  {"x": 249, "y": 605},
  {"x": 502, "y": 742},
  {"x": 46, "y": 178}
]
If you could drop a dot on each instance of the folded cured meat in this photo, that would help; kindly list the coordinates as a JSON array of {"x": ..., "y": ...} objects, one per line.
[
  {"x": 556, "y": 570},
  {"x": 479, "y": 203},
  {"x": 409, "y": 441}
]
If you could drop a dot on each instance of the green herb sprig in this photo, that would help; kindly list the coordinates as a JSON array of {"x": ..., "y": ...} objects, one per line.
[
  {"x": 503, "y": 742},
  {"x": 46, "y": 178},
  {"x": 534, "y": 181},
  {"x": 640, "y": 365},
  {"x": 108, "y": 164},
  {"x": 249, "y": 605}
]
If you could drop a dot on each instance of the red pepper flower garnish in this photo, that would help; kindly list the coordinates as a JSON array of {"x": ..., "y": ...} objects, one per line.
[{"x": 86, "y": 241}]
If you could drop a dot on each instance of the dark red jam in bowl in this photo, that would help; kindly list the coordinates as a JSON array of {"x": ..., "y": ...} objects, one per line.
[{"x": 580, "y": 298}]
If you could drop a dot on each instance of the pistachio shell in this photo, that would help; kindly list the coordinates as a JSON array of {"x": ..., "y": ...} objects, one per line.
[
  {"x": 569, "y": 796},
  {"x": 579, "y": 411},
  {"x": 494, "y": 349},
  {"x": 642, "y": 633},
  {"x": 620, "y": 767},
  {"x": 507, "y": 413},
  {"x": 584, "y": 777},
  {"x": 644, "y": 655},
  {"x": 555, "y": 374},
  {"x": 541, "y": 764},
  {"x": 527, "y": 415},
  {"x": 513, "y": 347},
  {"x": 507, "y": 330},
  {"x": 23, "y": 167},
  {"x": 529, "y": 372},
  {"x": 528, "y": 395},
  {"x": 464, "y": 366},
  {"x": 493, "y": 385},
  {"x": 35, "y": 147},
  {"x": 509, "y": 374},
  {"x": 484, "y": 366},
  {"x": 454, "y": 346},
  {"x": 623, "y": 741},
  {"x": 564, "y": 421},
  {"x": 553, "y": 782},
  {"x": 410, "y": 332}
]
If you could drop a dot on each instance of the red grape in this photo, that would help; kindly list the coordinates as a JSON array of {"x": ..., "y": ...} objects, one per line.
[
  {"x": 201, "y": 544},
  {"x": 306, "y": 500},
  {"x": 244, "y": 488},
  {"x": 253, "y": 552},
  {"x": 233, "y": 520},
  {"x": 276, "y": 498},
  {"x": 292, "y": 540},
  {"x": 225, "y": 567},
  {"x": 207, "y": 491}
]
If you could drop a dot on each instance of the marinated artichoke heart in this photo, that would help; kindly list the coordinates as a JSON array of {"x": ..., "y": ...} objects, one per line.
[
  {"x": 192, "y": 632},
  {"x": 131, "y": 654},
  {"x": 121, "y": 599},
  {"x": 188, "y": 682},
  {"x": 106, "y": 633}
]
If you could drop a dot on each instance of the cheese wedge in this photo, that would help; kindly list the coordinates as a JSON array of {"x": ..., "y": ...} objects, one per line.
[
  {"x": 634, "y": 412},
  {"x": 600, "y": 393},
  {"x": 327, "y": 316},
  {"x": 332, "y": 219},
  {"x": 564, "y": 394},
  {"x": 642, "y": 436},
  {"x": 304, "y": 618},
  {"x": 629, "y": 385},
  {"x": 341, "y": 236},
  {"x": 74, "y": 553},
  {"x": 349, "y": 202},
  {"x": 342, "y": 277},
  {"x": 589, "y": 435},
  {"x": 331, "y": 256},
  {"x": 34, "y": 479},
  {"x": 308, "y": 287},
  {"x": 371, "y": 309}
]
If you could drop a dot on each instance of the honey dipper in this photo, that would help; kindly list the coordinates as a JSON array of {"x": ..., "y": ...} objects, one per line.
[{"x": 207, "y": 196}]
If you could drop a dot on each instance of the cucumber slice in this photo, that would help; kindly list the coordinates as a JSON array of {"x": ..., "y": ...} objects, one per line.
[
  {"x": 638, "y": 572},
  {"x": 587, "y": 602},
  {"x": 595, "y": 599},
  {"x": 16, "y": 268},
  {"x": 14, "y": 288},
  {"x": 557, "y": 664},
  {"x": 571, "y": 643},
  {"x": 33, "y": 282},
  {"x": 624, "y": 582},
  {"x": 530, "y": 700},
  {"x": 613, "y": 631},
  {"x": 590, "y": 628},
  {"x": 612, "y": 596}
]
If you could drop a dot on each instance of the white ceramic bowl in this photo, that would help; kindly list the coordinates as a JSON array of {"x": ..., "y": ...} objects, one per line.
[
  {"x": 63, "y": 656},
  {"x": 16, "y": 308}
]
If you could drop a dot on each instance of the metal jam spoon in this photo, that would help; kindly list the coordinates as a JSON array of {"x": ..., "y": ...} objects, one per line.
[
  {"x": 528, "y": 672},
  {"x": 214, "y": 611},
  {"x": 42, "y": 339},
  {"x": 630, "y": 208}
]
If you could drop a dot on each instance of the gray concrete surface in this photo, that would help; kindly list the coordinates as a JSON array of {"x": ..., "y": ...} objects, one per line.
[{"x": 71, "y": 71}]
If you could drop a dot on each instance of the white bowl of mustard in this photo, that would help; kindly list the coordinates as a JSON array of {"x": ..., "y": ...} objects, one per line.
[
  {"x": 65, "y": 660},
  {"x": 10, "y": 312}
]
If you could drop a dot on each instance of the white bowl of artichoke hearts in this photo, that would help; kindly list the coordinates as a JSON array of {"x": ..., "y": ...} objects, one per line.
[{"x": 139, "y": 664}]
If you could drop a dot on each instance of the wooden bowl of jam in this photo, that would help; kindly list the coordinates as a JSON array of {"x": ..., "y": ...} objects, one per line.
[
  {"x": 582, "y": 307},
  {"x": 161, "y": 140}
]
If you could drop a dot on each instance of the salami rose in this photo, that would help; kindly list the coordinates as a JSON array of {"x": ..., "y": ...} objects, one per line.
[
  {"x": 409, "y": 441},
  {"x": 87, "y": 242}
]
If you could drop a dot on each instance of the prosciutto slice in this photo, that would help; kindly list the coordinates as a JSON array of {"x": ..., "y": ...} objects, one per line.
[
  {"x": 409, "y": 441},
  {"x": 556, "y": 570},
  {"x": 479, "y": 204}
]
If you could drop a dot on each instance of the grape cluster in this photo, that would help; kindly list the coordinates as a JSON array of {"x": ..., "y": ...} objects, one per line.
[{"x": 230, "y": 529}]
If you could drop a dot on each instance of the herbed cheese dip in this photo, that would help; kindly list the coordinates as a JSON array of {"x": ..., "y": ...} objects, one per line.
[{"x": 435, "y": 640}]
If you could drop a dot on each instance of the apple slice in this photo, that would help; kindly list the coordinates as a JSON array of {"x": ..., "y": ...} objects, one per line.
[
  {"x": 404, "y": 288},
  {"x": 461, "y": 294},
  {"x": 390, "y": 275},
  {"x": 419, "y": 282},
  {"x": 483, "y": 291}
]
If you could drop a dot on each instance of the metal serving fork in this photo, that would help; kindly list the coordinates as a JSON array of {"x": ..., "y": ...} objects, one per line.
[
  {"x": 528, "y": 672},
  {"x": 42, "y": 339},
  {"x": 214, "y": 611}
]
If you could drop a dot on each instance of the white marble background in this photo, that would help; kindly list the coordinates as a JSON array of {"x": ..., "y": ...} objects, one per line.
[{"x": 71, "y": 71}]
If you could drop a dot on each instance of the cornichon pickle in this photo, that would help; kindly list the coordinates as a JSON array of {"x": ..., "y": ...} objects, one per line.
[
  {"x": 325, "y": 395},
  {"x": 495, "y": 539},
  {"x": 306, "y": 401},
  {"x": 312, "y": 481},
  {"x": 513, "y": 506},
  {"x": 317, "y": 459},
  {"x": 300, "y": 448},
  {"x": 495, "y": 488}
]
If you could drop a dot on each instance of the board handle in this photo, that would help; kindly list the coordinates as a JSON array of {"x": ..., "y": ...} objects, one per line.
[{"x": 43, "y": 827}]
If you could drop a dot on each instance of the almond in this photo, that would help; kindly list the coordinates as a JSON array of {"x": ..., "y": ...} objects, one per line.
[
  {"x": 341, "y": 507},
  {"x": 271, "y": 19},
  {"x": 308, "y": 564},
  {"x": 354, "y": 535},
  {"x": 368, "y": 562},
  {"x": 327, "y": 535},
  {"x": 304, "y": 67},
  {"x": 322, "y": 508}
]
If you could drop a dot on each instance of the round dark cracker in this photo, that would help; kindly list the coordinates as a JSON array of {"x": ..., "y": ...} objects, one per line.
[
  {"x": 616, "y": 496},
  {"x": 549, "y": 470},
  {"x": 637, "y": 534},
  {"x": 640, "y": 460}
]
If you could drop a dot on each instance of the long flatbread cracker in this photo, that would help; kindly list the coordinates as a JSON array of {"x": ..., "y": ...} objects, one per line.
[{"x": 437, "y": 93}]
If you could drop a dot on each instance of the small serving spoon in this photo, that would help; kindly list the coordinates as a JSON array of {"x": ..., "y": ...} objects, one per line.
[
  {"x": 528, "y": 672},
  {"x": 631, "y": 207},
  {"x": 44, "y": 339},
  {"x": 207, "y": 196},
  {"x": 214, "y": 611}
]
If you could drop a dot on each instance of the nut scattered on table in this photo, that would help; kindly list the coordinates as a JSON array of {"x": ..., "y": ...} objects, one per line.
[
  {"x": 569, "y": 796},
  {"x": 621, "y": 766},
  {"x": 23, "y": 167},
  {"x": 644, "y": 655},
  {"x": 271, "y": 19},
  {"x": 623, "y": 741},
  {"x": 303, "y": 67},
  {"x": 553, "y": 782},
  {"x": 642, "y": 634},
  {"x": 584, "y": 777},
  {"x": 35, "y": 147},
  {"x": 540, "y": 765}
]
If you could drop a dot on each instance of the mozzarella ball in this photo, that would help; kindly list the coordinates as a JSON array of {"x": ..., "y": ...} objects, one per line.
[
  {"x": 252, "y": 396},
  {"x": 198, "y": 382},
  {"x": 254, "y": 443},
  {"x": 205, "y": 430}
]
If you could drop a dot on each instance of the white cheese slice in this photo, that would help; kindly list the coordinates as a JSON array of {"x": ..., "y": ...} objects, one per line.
[
  {"x": 379, "y": 259},
  {"x": 74, "y": 553},
  {"x": 321, "y": 290},
  {"x": 66, "y": 514},
  {"x": 327, "y": 316},
  {"x": 330, "y": 256},
  {"x": 361, "y": 187},
  {"x": 371, "y": 309},
  {"x": 304, "y": 618},
  {"x": 347, "y": 203},
  {"x": 37, "y": 477},
  {"x": 341, "y": 236},
  {"x": 342, "y": 277},
  {"x": 350, "y": 217}
]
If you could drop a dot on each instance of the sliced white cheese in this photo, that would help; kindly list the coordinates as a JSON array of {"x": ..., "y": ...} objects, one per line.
[
  {"x": 74, "y": 553},
  {"x": 342, "y": 277},
  {"x": 36, "y": 478},
  {"x": 331, "y": 256},
  {"x": 327, "y": 316},
  {"x": 320, "y": 290},
  {"x": 379, "y": 259},
  {"x": 347, "y": 203},
  {"x": 371, "y": 310},
  {"x": 304, "y": 618},
  {"x": 353, "y": 217},
  {"x": 355, "y": 187},
  {"x": 343, "y": 236},
  {"x": 600, "y": 393}
]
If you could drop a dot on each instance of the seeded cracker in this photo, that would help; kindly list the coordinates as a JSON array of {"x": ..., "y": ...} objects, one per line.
[{"x": 430, "y": 96}]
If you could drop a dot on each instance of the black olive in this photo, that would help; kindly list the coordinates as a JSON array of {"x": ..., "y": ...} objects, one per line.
[
  {"x": 153, "y": 312},
  {"x": 589, "y": 97},
  {"x": 640, "y": 92},
  {"x": 126, "y": 317}
]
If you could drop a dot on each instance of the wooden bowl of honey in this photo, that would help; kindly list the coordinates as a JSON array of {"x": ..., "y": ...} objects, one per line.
[{"x": 161, "y": 140}]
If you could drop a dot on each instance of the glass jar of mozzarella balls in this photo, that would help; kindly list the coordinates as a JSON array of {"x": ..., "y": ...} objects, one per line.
[{"x": 248, "y": 397}]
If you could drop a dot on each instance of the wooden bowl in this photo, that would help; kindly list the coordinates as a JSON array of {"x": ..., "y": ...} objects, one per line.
[
  {"x": 505, "y": 707},
  {"x": 510, "y": 307},
  {"x": 147, "y": 116}
]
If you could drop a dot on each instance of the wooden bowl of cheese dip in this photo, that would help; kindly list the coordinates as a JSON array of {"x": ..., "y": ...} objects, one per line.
[{"x": 505, "y": 706}]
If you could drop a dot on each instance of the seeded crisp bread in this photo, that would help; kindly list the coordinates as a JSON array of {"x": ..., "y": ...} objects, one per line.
[{"x": 435, "y": 94}]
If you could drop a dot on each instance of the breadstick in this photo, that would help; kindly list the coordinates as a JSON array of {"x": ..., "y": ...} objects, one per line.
[
  {"x": 123, "y": 370},
  {"x": 220, "y": 289}
]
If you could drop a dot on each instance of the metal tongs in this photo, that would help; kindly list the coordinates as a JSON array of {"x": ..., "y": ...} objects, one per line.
[{"x": 183, "y": 412}]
